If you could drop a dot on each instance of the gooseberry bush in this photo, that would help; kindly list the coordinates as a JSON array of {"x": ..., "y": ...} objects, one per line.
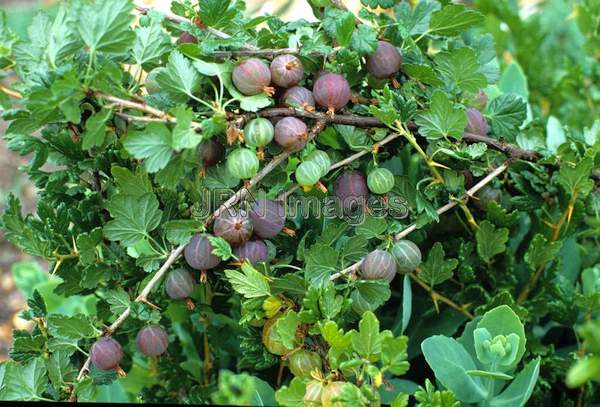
[{"x": 369, "y": 209}]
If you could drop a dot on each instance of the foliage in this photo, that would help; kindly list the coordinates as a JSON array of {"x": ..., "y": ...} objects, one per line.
[{"x": 112, "y": 114}]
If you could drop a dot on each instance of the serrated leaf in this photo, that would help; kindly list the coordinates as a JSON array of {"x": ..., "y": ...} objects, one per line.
[
  {"x": 104, "y": 25},
  {"x": 217, "y": 13},
  {"x": 24, "y": 382},
  {"x": 285, "y": 328},
  {"x": 134, "y": 217},
  {"x": 250, "y": 283},
  {"x": 178, "y": 79},
  {"x": 461, "y": 68},
  {"x": 436, "y": 269},
  {"x": 369, "y": 295},
  {"x": 221, "y": 247},
  {"x": 394, "y": 354},
  {"x": 131, "y": 183},
  {"x": 153, "y": 145},
  {"x": 505, "y": 114},
  {"x": 118, "y": 300},
  {"x": 95, "y": 129},
  {"x": 60, "y": 369},
  {"x": 184, "y": 136},
  {"x": 180, "y": 231},
  {"x": 372, "y": 227},
  {"x": 541, "y": 251},
  {"x": 367, "y": 340},
  {"x": 422, "y": 73},
  {"x": 364, "y": 39},
  {"x": 453, "y": 19},
  {"x": 75, "y": 327},
  {"x": 321, "y": 263},
  {"x": 291, "y": 395},
  {"x": 442, "y": 119},
  {"x": 576, "y": 179},
  {"x": 490, "y": 241},
  {"x": 150, "y": 44}
]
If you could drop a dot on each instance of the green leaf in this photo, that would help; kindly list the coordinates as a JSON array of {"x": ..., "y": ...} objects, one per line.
[
  {"x": 291, "y": 395},
  {"x": 378, "y": 3},
  {"x": 153, "y": 145},
  {"x": 330, "y": 304},
  {"x": 95, "y": 129},
  {"x": 132, "y": 183},
  {"x": 180, "y": 231},
  {"x": 461, "y": 68},
  {"x": 217, "y": 13},
  {"x": 75, "y": 327},
  {"x": 442, "y": 119},
  {"x": 367, "y": 341},
  {"x": 178, "y": 79},
  {"x": 372, "y": 227},
  {"x": 436, "y": 269},
  {"x": 334, "y": 336},
  {"x": 422, "y": 73},
  {"x": 540, "y": 251},
  {"x": 393, "y": 355},
  {"x": 354, "y": 249},
  {"x": 285, "y": 328},
  {"x": 251, "y": 284},
  {"x": 450, "y": 361},
  {"x": 321, "y": 263},
  {"x": 184, "y": 136},
  {"x": 67, "y": 345},
  {"x": 63, "y": 40},
  {"x": 118, "y": 300},
  {"x": 369, "y": 295},
  {"x": 221, "y": 247},
  {"x": 364, "y": 39},
  {"x": 519, "y": 391},
  {"x": 86, "y": 245},
  {"x": 60, "y": 369},
  {"x": 576, "y": 179},
  {"x": 490, "y": 241},
  {"x": 24, "y": 382},
  {"x": 104, "y": 25},
  {"x": 357, "y": 139},
  {"x": 344, "y": 27},
  {"x": 505, "y": 114},
  {"x": 453, "y": 19},
  {"x": 415, "y": 20},
  {"x": 134, "y": 217},
  {"x": 150, "y": 44}
]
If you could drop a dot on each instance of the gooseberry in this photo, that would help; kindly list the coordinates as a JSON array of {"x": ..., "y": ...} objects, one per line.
[
  {"x": 152, "y": 340},
  {"x": 308, "y": 173},
  {"x": 385, "y": 61},
  {"x": 274, "y": 346},
  {"x": 211, "y": 152},
  {"x": 303, "y": 362},
  {"x": 332, "y": 391},
  {"x": 286, "y": 70},
  {"x": 407, "y": 254},
  {"x": 179, "y": 284},
  {"x": 380, "y": 180},
  {"x": 268, "y": 218},
  {"x": 198, "y": 253},
  {"x": 106, "y": 353},
  {"x": 378, "y": 265},
  {"x": 331, "y": 91},
  {"x": 187, "y": 38},
  {"x": 321, "y": 158},
  {"x": 486, "y": 195},
  {"x": 312, "y": 395},
  {"x": 253, "y": 251},
  {"x": 252, "y": 77},
  {"x": 351, "y": 190},
  {"x": 242, "y": 163},
  {"x": 258, "y": 132},
  {"x": 291, "y": 133},
  {"x": 234, "y": 226},
  {"x": 476, "y": 125},
  {"x": 298, "y": 97}
]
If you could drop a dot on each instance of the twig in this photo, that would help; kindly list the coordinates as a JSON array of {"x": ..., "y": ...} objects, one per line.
[
  {"x": 350, "y": 119},
  {"x": 440, "y": 211},
  {"x": 256, "y": 52},
  {"x": 11, "y": 92},
  {"x": 437, "y": 296},
  {"x": 142, "y": 107}
]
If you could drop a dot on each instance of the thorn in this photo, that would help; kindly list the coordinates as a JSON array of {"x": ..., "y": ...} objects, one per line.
[
  {"x": 321, "y": 187},
  {"x": 148, "y": 303},
  {"x": 269, "y": 90},
  {"x": 120, "y": 372},
  {"x": 202, "y": 172},
  {"x": 550, "y": 225},
  {"x": 308, "y": 107}
]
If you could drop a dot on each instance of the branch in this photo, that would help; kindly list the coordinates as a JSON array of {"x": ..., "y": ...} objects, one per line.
[
  {"x": 473, "y": 190},
  {"x": 11, "y": 92}
]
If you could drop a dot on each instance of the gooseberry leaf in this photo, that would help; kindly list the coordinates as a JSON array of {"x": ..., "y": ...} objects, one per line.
[
  {"x": 460, "y": 67},
  {"x": 153, "y": 145},
  {"x": 505, "y": 114},
  {"x": 442, "y": 119},
  {"x": 250, "y": 282},
  {"x": 540, "y": 251},
  {"x": 453, "y": 19},
  {"x": 104, "y": 25},
  {"x": 134, "y": 217},
  {"x": 178, "y": 79},
  {"x": 150, "y": 44},
  {"x": 490, "y": 240},
  {"x": 291, "y": 395},
  {"x": 436, "y": 269},
  {"x": 24, "y": 382}
]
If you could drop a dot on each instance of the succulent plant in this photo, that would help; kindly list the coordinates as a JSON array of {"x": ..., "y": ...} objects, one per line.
[
  {"x": 252, "y": 77},
  {"x": 268, "y": 218},
  {"x": 286, "y": 70},
  {"x": 298, "y": 97},
  {"x": 152, "y": 340},
  {"x": 242, "y": 163},
  {"x": 179, "y": 284},
  {"x": 198, "y": 253},
  {"x": 234, "y": 226},
  {"x": 385, "y": 61},
  {"x": 378, "y": 265},
  {"x": 258, "y": 132},
  {"x": 380, "y": 180},
  {"x": 253, "y": 251},
  {"x": 351, "y": 190},
  {"x": 211, "y": 152},
  {"x": 331, "y": 91},
  {"x": 407, "y": 254},
  {"x": 291, "y": 133},
  {"x": 106, "y": 353}
]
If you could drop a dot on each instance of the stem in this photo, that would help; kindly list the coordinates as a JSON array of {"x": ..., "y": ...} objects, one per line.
[
  {"x": 437, "y": 296},
  {"x": 11, "y": 92},
  {"x": 438, "y": 179}
]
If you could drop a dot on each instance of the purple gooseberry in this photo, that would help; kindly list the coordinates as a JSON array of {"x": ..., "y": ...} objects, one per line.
[
  {"x": 351, "y": 190},
  {"x": 476, "y": 125},
  {"x": 198, "y": 253},
  {"x": 253, "y": 251},
  {"x": 286, "y": 70},
  {"x": 480, "y": 100},
  {"x": 385, "y": 61},
  {"x": 268, "y": 218},
  {"x": 252, "y": 77},
  {"x": 106, "y": 353},
  {"x": 378, "y": 265},
  {"x": 298, "y": 97},
  {"x": 234, "y": 226},
  {"x": 211, "y": 152},
  {"x": 187, "y": 38},
  {"x": 179, "y": 284},
  {"x": 152, "y": 340},
  {"x": 291, "y": 133},
  {"x": 331, "y": 91}
]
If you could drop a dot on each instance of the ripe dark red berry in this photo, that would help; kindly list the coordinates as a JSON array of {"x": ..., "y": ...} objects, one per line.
[
  {"x": 234, "y": 226},
  {"x": 298, "y": 97},
  {"x": 476, "y": 125},
  {"x": 198, "y": 253},
  {"x": 211, "y": 152},
  {"x": 378, "y": 265},
  {"x": 331, "y": 91},
  {"x": 286, "y": 70},
  {"x": 179, "y": 284},
  {"x": 252, "y": 77},
  {"x": 253, "y": 251},
  {"x": 291, "y": 133},
  {"x": 351, "y": 190},
  {"x": 106, "y": 353},
  {"x": 152, "y": 340},
  {"x": 268, "y": 218},
  {"x": 187, "y": 38},
  {"x": 385, "y": 61}
]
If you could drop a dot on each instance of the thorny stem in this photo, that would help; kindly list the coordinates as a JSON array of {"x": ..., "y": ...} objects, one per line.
[
  {"x": 437, "y": 177},
  {"x": 435, "y": 296}
]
